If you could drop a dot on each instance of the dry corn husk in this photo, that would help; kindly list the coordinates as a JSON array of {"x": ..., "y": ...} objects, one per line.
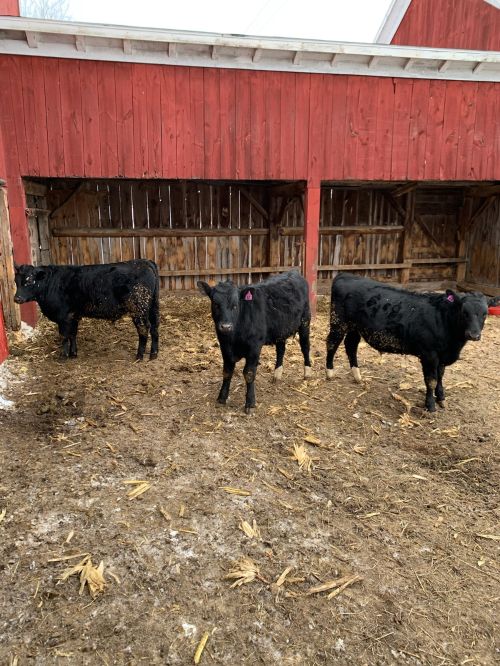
[
  {"x": 245, "y": 571},
  {"x": 235, "y": 491},
  {"x": 302, "y": 457},
  {"x": 201, "y": 647},
  {"x": 90, "y": 575},
  {"x": 252, "y": 531}
]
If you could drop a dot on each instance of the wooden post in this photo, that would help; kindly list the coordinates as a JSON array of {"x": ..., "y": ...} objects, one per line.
[
  {"x": 462, "y": 228},
  {"x": 405, "y": 254},
  {"x": 20, "y": 237},
  {"x": 11, "y": 311},
  {"x": 311, "y": 240}
]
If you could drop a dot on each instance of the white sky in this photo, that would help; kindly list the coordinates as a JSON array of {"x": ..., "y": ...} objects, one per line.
[{"x": 337, "y": 20}]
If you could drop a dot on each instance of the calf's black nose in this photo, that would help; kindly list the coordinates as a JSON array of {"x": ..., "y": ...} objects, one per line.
[{"x": 225, "y": 328}]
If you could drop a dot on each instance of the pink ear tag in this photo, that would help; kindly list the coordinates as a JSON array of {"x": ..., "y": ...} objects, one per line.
[
  {"x": 248, "y": 296},
  {"x": 450, "y": 298}
]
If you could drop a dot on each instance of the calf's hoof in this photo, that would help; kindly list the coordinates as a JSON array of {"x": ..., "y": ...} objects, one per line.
[
  {"x": 430, "y": 408},
  {"x": 139, "y": 357},
  {"x": 441, "y": 403},
  {"x": 222, "y": 401},
  {"x": 356, "y": 374},
  {"x": 329, "y": 373},
  {"x": 307, "y": 372},
  {"x": 248, "y": 410},
  {"x": 153, "y": 355},
  {"x": 278, "y": 374}
]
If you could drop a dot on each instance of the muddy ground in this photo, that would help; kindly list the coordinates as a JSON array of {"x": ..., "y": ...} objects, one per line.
[{"x": 407, "y": 502}]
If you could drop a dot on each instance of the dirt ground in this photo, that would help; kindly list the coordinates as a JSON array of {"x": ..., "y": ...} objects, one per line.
[{"x": 404, "y": 507}]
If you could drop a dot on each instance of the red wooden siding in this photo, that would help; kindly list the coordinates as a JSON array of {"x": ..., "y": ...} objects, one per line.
[
  {"x": 459, "y": 24},
  {"x": 107, "y": 120},
  {"x": 9, "y": 7}
]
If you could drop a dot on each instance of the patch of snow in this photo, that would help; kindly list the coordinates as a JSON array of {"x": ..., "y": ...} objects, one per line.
[
  {"x": 6, "y": 377},
  {"x": 189, "y": 629}
]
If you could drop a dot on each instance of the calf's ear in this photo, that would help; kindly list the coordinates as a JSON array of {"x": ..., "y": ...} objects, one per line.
[
  {"x": 247, "y": 294},
  {"x": 452, "y": 296},
  {"x": 39, "y": 274},
  {"x": 204, "y": 288}
]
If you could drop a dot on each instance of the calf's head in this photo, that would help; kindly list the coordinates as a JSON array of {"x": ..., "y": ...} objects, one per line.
[
  {"x": 29, "y": 282},
  {"x": 473, "y": 311},
  {"x": 225, "y": 298}
]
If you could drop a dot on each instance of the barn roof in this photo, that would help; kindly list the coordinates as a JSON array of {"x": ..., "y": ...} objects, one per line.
[
  {"x": 395, "y": 14},
  {"x": 95, "y": 41}
]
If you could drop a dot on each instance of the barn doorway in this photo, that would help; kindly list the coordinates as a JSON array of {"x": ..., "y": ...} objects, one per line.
[
  {"x": 429, "y": 235},
  {"x": 192, "y": 229}
]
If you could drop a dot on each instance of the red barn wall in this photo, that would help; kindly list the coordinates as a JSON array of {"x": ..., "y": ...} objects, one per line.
[
  {"x": 459, "y": 24},
  {"x": 105, "y": 119},
  {"x": 9, "y": 7}
]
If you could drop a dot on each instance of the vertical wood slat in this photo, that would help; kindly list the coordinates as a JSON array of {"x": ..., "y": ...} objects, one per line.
[{"x": 90, "y": 119}]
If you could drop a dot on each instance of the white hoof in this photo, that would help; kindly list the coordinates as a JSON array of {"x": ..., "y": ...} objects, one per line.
[
  {"x": 329, "y": 374},
  {"x": 307, "y": 371},
  {"x": 356, "y": 374},
  {"x": 278, "y": 373}
]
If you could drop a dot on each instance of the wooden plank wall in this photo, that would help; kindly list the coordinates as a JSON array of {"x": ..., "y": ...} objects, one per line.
[
  {"x": 177, "y": 208},
  {"x": 483, "y": 248},
  {"x": 357, "y": 214},
  {"x": 108, "y": 120}
]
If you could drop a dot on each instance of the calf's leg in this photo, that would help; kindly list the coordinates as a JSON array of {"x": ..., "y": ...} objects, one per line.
[
  {"x": 333, "y": 341},
  {"x": 440, "y": 394},
  {"x": 249, "y": 372},
  {"x": 68, "y": 330},
  {"x": 280, "y": 355},
  {"x": 351, "y": 343},
  {"x": 305, "y": 345},
  {"x": 154, "y": 320},
  {"x": 227, "y": 375},
  {"x": 430, "y": 370},
  {"x": 142, "y": 326}
]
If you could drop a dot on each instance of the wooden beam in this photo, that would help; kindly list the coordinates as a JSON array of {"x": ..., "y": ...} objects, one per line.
[
  {"x": 33, "y": 39},
  {"x": 171, "y": 50},
  {"x": 128, "y": 48},
  {"x": 11, "y": 311},
  {"x": 479, "y": 211},
  {"x": 257, "y": 55},
  {"x": 213, "y": 52},
  {"x": 311, "y": 241},
  {"x": 36, "y": 189},
  {"x": 113, "y": 232},
  {"x": 463, "y": 223},
  {"x": 249, "y": 197},
  {"x": 444, "y": 66},
  {"x": 297, "y": 58},
  {"x": 438, "y": 260},
  {"x": 80, "y": 43},
  {"x": 362, "y": 267},
  {"x": 72, "y": 194},
  {"x": 334, "y": 59},
  {"x": 404, "y": 189},
  {"x": 487, "y": 289},
  {"x": 228, "y": 271},
  {"x": 416, "y": 218},
  {"x": 406, "y": 237},
  {"x": 353, "y": 229}
]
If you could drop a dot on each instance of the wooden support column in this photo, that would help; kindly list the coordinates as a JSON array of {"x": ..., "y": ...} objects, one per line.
[
  {"x": 11, "y": 311},
  {"x": 405, "y": 253},
  {"x": 20, "y": 237},
  {"x": 463, "y": 226},
  {"x": 311, "y": 240}
]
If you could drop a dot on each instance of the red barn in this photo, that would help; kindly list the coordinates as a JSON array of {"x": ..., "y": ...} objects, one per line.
[{"x": 221, "y": 155}]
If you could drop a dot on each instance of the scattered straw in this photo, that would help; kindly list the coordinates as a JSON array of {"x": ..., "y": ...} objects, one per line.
[
  {"x": 405, "y": 402},
  {"x": 201, "y": 647},
  {"x": 491, "y": 537},
  {"x": 252, "y": 531},
  {"x": 340, "y": 589},
  {"x": 90, "y": 575},
  {"x": 140, "y": 488},
  {"x": 302, "y": 457},
  {"x": 235, "y": 491},
  {"x": 283, "y": 576},
  {"x": 311, "y": 439},
  {"x": 245, "y": 571},
  {"x": 2, "y": 514}
]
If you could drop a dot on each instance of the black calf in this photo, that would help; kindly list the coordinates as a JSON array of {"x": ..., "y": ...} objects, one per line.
[
  {"x": 246, "y": 318},
  {"x": 66, "y": 294},
  {"x": 433, "y": 327}
]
